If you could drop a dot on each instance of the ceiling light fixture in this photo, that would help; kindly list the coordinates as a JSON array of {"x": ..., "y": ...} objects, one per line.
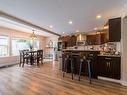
[
  {"x": 95, "y": 28},
  {"x": 33, "y": 36},
  {"x": 98, "y": 16},
  {"x": 77, "y": 31},
  {"x": 70, "y": 22},
  {"x": 51, "y": 26}
]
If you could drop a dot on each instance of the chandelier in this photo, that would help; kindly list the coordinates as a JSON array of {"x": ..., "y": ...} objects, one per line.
[{"x": 33, "y": 36}]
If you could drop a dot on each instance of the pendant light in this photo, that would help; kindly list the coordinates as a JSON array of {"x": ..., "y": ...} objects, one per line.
[{"x": 33, "y": 36}]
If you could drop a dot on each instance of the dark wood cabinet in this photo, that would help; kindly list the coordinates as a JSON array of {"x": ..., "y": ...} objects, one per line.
[
  {"x": 111, "y": 34},
  {"x": 96, "y": 39},
  {"x": 104, "y": 37},
  {"x": 109, "y": 67},
  {"x": 72, "y": 41},
  {"x": 91, "y": 39},
  {"x": 64, "y": 41},
  {"x": 115, "y": 30},
  {"x": 68, "y": 41}
]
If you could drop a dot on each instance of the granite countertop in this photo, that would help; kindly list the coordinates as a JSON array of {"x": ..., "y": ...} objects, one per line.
[
  {"x": 79, "y": 50},
  {"x": 76, "y": 50},
  {"x": 110, "y": 55}
]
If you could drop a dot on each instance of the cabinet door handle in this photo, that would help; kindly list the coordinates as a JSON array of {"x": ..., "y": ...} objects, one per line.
[{"x": 109, "y": 64}]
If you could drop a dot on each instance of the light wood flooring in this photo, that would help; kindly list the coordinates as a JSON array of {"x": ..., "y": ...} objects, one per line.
[{"x": 47, "y": 80}]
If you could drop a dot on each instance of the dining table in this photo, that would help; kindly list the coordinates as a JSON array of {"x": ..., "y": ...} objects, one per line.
[{"x": 32, "y": 54}]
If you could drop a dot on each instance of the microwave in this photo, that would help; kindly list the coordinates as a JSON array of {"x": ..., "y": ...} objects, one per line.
[{"x": 81, "y": 43}]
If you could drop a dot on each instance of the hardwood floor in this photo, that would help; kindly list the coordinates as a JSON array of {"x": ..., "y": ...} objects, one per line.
[{"x": 47, "y": 80}]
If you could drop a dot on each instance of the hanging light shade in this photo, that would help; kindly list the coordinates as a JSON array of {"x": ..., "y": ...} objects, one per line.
[{"x": 33, "y": 36}]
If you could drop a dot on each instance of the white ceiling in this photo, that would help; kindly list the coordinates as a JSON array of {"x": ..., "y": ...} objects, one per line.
[
  {"x": 58, "y": 12},
  {"x": 4, "y": 22}
]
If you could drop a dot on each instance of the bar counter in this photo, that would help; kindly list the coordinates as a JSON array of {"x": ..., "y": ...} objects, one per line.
[{"x": 77, "y": 56}]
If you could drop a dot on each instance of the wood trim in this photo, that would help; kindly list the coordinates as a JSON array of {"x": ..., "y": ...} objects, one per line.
[{"x": 11, "y": 17}]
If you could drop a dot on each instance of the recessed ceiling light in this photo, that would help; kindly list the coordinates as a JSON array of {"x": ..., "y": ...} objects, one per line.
[
  {"x": 70, "y": 22},
  {"x": 98, "y": 16},
  {"x": 77, "y": 31},
  {"x": 95, "y": 28},
  {"x": 51, "y": 26}
]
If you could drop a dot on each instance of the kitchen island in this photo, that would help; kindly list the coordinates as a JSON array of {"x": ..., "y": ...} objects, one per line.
[
  {"x": 108, "y": 66},
  {"x": 77, "y": 55}
]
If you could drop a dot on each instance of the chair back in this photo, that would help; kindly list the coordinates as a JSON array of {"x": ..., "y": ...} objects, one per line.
[
  {"x": 39, "y": 53},
  {"x": 23, "y": 53}
]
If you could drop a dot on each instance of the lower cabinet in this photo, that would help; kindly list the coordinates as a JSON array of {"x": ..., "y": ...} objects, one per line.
[
  {"x": 76, "y": 62},
  {"x": 109, "y": 67}
]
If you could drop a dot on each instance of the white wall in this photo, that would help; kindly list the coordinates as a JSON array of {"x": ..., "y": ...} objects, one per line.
[
  {"x": 123, "y": 13},
  {"x": 54, "y": 39},
  {"x": 124, "y": 52}
]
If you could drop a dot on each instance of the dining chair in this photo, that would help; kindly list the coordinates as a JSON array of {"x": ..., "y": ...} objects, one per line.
[
  {"x": 24, "y": 57},
  {"x": 39, "y": 56}
]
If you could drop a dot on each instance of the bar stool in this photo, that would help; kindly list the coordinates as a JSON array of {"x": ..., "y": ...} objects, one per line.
[
  {"x": 69, "y": 58},
  {"x": 66, "y": 59},
  {"x": 87, "y": 61}
]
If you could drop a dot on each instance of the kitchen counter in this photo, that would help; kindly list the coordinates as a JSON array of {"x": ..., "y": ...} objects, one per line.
[
  {"x": 76, "y": 50},
  {"x": 109, "y": 55},
  {"x": 105, "y": 65}
]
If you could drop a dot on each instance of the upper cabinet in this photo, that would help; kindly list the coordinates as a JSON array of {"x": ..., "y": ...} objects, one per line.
[
  {"x": 68, "y": 41},
  {"x": 93, "y": 39},
  {"x": 104, "y": 36},
  {"x": 110, "y": 33},
  {"x": 97, "y": 38},
  {"x": 64, "y": 41},
  {"x": 115, "y": 30},
  {"x": 72, "y": 41}
]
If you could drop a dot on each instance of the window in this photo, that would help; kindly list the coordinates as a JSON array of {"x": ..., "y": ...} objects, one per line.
[
  {"x": 4, "y": 46},
  {"x": 19, "y": 44},
  {"x": 36, "y": 44}
]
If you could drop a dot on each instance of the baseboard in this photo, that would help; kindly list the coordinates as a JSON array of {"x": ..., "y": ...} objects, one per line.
[
  {"x": 109, "y": 79},
  {"x": 123, "y": 82},
  {"x": 8, "y": 64}
]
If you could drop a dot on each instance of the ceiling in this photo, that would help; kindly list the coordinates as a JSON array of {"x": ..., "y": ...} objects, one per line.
[
  {"x": 7, "y": 23},
  {"x": 58, "y": 12}
]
